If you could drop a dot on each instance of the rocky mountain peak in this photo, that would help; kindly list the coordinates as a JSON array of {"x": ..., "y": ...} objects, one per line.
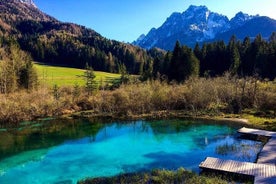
[
  {"x": 239, "y": 19},
  {"x": 193, "y": 8},
  {"x": 199, "y": 24}
]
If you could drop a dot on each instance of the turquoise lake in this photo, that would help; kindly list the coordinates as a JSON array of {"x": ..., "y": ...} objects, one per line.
[{"x": 67, "y": 151}]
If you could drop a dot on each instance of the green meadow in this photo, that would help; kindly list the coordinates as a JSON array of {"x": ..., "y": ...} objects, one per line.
[{"x": 65, "y": 76}]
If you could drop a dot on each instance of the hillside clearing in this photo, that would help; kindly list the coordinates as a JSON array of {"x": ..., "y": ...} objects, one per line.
[{"x": 65, "y": 76}]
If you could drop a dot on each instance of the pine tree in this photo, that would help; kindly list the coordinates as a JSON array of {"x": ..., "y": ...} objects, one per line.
[
  {"x": 234, "y": 56},
  {"x": 235, "y": 60},
  {"x": 246, "y": 58},
  {"x": 271, "y": 63},
  {"x": 90, "y": 83},
  {"x": 203, "y": 62},
  {"x": 259, "y": 48},
  {"x": 148, "y": 71},
  {"x": 184, "y": 63},
  {"x": 197, "y": 52},
  {"x": 165, "y": 67},
  {"x": 124, "y": 74},
  {"x": 175, "y": 64},
  {"x": 192, "y": 63},
  {"x": 28, "y": 77},
  {"x": 272, "y": 38}
]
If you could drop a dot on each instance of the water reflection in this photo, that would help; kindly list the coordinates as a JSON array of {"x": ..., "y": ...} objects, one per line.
[
  {"x": 244, "y": 150},
  {"x": 44, "y": 134}
]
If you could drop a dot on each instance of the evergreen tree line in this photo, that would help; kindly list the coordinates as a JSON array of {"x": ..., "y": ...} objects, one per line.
[
  {"x": 16, "y": 68},
  {"x": 74, "y": 46},
  {"x": 255, "y": 57}
]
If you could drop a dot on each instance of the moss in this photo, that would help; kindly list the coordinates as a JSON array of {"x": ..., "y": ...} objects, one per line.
[{"x": 261, "y": 122}]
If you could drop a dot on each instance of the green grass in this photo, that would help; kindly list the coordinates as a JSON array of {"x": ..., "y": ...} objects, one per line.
[{"x": 65, "y": 76}]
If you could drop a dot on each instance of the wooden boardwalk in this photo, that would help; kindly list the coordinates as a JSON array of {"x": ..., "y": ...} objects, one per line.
[
  {"x": 263, "y": 173},
  {"x": 268, "y": 153},
  {"x": 257, "y": 132},
  {"x": 264, "y": 170}
]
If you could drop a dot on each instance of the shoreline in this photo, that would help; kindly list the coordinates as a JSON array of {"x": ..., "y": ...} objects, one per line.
[
  {"x": 244, "y": 119},
  {"x": 157, "y": 115}
]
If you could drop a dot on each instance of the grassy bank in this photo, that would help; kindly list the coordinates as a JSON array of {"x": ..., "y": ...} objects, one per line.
[
  {"x": 158, "y": 177},
  {"x": 64, "y": 76}
]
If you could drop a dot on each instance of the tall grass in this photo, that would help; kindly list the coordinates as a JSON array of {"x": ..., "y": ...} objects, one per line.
[{"x": 196, "y": 95}]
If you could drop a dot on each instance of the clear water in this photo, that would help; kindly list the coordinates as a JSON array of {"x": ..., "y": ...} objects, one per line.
[{"x": 66, "y": 155}]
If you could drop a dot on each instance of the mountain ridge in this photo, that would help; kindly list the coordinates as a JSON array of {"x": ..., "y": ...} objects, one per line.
[{"x": 198, "y": 24}]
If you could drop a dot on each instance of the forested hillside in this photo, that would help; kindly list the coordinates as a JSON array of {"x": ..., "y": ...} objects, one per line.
[{"x": 51, "y": 41}]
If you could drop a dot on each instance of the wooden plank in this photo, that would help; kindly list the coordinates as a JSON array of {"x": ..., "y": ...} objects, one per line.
[
  {"x": 262, "y": 171},
  {"x": 254, "y": 170},
  {"x": 232, "y": 165},
  {"x": 227, "y": 165},
  {"x": 257, "y": 132}
]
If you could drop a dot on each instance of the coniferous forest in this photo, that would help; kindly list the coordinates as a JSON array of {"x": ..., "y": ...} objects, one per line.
[
  {"x": 255, "y": 57},
  {"x": 245, "y": 58}
]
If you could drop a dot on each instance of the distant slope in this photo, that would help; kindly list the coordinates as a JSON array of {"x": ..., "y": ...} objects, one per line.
[
  {"x": 54, "y": 42},
  {"x": 64, "y": 76},
  {"x": 198, "y": 25},
  {"x": 259, "y": 25}
]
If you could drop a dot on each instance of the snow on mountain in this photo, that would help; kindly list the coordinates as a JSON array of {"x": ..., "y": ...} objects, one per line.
[
  {"x": 240, "y": 19},
  {"x": 196, "y": 24},
  {"x": 29, "y": 2}
]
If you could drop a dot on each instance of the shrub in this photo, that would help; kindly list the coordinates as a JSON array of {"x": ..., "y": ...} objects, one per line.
[{"x": 221, "y": 94}]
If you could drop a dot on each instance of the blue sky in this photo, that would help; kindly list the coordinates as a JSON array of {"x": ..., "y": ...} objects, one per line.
[{"x": 126, "y": 20}]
